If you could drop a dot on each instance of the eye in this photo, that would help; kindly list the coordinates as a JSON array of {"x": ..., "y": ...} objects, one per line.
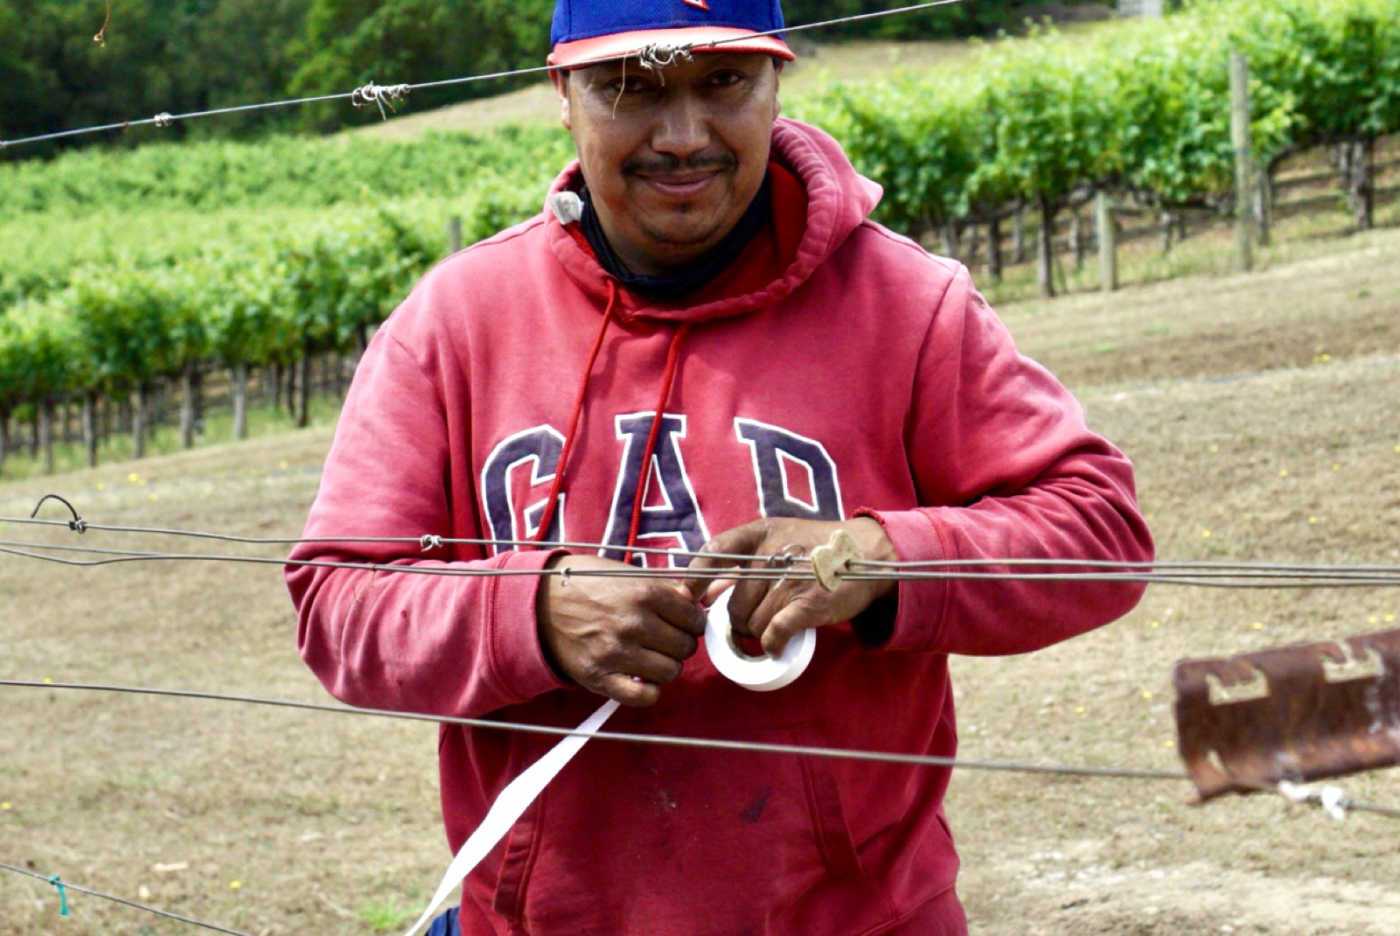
[
  {"x": 631, "y": 84},
  {"x": 726, "y": 77}
]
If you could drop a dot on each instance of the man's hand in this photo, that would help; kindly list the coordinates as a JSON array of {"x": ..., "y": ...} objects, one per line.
[
  {"x": 619, "y": 637},
  {"x": 774, "y": 612}
]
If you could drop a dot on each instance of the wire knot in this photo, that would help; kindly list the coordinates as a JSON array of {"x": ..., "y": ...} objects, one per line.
[
  {"x": 58, "y": 885},
  {"x": 429, "y": 541},
  {"x": 164, "y": 119},
  {"x": 381, "y": 95},
  {"x": 77, "y": 524},
  {"x": 657, "y": 55}
]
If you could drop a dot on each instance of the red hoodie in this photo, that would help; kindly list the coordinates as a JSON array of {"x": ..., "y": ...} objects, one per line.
[{"x": 868, "y": 375}]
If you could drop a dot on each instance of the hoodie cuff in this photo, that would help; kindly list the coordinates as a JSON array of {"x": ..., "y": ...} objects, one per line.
[
  {"x": 921, "y": 604},
  {"x": 517, "y": 658}
]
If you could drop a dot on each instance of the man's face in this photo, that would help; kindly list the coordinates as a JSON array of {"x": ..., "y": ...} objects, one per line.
[{"x": 672, "y": 157}]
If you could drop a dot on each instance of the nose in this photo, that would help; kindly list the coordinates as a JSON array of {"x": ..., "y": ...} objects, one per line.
[{"x": 683, "y": 127}]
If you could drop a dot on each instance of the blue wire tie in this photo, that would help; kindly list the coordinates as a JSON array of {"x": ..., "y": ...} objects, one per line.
[{"x": 57, "y": 882}]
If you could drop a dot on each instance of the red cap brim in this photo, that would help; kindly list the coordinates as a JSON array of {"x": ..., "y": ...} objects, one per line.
[{"x": 583, "y": 52}]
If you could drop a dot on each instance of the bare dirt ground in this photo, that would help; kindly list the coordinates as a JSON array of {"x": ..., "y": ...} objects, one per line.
[{"x": 1261, "y": 414}]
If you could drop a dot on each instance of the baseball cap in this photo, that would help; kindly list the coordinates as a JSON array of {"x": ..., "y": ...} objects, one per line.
[{"x": 587, "y": 31}]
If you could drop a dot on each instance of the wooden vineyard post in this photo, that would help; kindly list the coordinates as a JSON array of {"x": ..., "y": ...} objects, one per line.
[
  {"x": 90, "y": 427},
  {"x": 187, "y": 383},
  {"x": 994, "y": 248},
  {"x": 1244, "y": 169},
  {"x": 239, "y": 385},
  {"x": 1108, "y": 242},
  {"x": 46, "y": 414},
  {"x": 454, "y": 233},
  {"x": 1045, "y": 249},
  {"x": 138, "y": 422}
]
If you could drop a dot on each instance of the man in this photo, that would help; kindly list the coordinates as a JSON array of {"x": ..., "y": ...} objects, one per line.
[{"x": 701, "y": 343}]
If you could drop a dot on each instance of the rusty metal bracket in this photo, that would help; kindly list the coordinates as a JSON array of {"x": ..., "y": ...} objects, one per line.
[{"x": 1248, "y": 722}]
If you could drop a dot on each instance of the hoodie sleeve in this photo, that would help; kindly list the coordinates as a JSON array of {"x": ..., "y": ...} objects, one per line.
[
  {"x": 443, "y": 644},
  {"x": 998, "y": 439}
]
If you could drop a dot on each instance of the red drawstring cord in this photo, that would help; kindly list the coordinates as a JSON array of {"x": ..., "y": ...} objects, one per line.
[
  {"x": 644, "y": 473},
  {"x": 553, "y": 498}
]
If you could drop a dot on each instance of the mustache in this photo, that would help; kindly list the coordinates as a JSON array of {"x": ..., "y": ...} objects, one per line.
[{"x": 665, "y": 164}]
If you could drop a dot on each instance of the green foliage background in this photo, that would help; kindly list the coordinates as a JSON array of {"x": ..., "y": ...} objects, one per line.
[
  {"x": 125, "y": 266},
  {"x": 186, "y": 55}
]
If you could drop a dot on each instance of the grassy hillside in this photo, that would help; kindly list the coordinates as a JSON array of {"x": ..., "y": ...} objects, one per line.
[{"x": 1259, "y": 411}]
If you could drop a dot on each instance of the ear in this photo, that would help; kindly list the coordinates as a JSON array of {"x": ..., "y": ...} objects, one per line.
[{"x": 560, "y": 80}]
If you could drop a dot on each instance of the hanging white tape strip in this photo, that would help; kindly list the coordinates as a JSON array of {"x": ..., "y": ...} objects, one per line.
[
  {"x": 509, "y": 806},
  {"x": 761, "y": 674}
]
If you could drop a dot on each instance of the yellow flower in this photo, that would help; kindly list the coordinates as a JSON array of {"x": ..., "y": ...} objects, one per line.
[
  {"x": 5, "y": 807},
  {"x": 1390, "y": 618},
  {"x": 48, "y": 680},
  {"x": 1257, "y": 625},
  {"x": 101, "y": 486},
  {"x": 1205, "y": 534},
  {"x": 1147, "y": 694},
  {"x": 1283, "y": 472},
  {"x": 134, "y": 478},
  {"x": 1336, "y": 466},
  {"x": 1079, "y": 710},
  {"x": 1312, "y": 521},
  {"x": 235, "y": 885}
]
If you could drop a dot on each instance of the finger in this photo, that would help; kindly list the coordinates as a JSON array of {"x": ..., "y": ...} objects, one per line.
[
  {"x": 786, "y": 624},
  {"x": 774, "y": 600},
  {"x": 714, "y": 589},
  {"x": 676, "y": 606},
  {"x": 748, "y": 595},
  {"x": 656, "y": 668},
  {"x": 669, "y": 641},
  {"x": 741, "y": 539},
  {"x": 628, "y": 691}
]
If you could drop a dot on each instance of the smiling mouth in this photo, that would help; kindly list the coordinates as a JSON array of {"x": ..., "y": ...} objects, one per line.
[{"x": 680, "y": 185}]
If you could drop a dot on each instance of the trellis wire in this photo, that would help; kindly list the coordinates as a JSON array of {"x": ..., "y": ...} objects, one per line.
[
  {"x": 760, "y": 747},
  {"x": 1243, "y": 578},
  {"x": 78, "y": 888},
  {"x": 374, "y": 93},
  {"x": 1194, "y": 573}
]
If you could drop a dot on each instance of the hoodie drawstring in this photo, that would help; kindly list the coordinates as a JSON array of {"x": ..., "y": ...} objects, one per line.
[
  {"x": 552, "y": 500},
  {"x": 668, "y": 379}
]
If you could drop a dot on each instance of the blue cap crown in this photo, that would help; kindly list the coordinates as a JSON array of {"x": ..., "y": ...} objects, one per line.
[{"x": 588, "y": 19}]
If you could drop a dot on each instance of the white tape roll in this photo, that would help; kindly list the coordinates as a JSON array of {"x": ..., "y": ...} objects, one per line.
[{"x": 761, "y": 673}]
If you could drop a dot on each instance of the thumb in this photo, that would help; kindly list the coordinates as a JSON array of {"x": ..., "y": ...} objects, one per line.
[{"x": 741, "y": 540}]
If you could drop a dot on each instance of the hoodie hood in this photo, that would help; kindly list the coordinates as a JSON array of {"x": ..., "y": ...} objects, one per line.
[{"x": 838, "y": 200}]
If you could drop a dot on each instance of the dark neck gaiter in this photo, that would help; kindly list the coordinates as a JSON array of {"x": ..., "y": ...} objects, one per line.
[{"x": 679, "y": 283}]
